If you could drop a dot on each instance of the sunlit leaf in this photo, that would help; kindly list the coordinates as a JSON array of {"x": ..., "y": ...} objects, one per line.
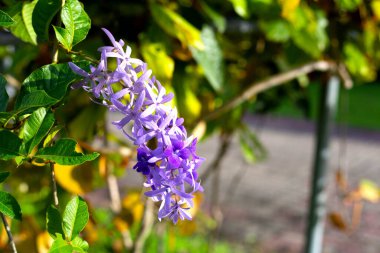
[
  {"x": 309, "y": 30},
  {"x": 19, "y": 11},
  {"x": 61, "y": 246},
  {"x": 43, "y": 13},
  {"x": 241, "y": 8},
  {"x": 36, "y": 128},
  {"x": 5, "y": 19},
  {"x": 27, "y": 15},
  {"x": 79, "y": 245},
  {"x": 75, "y": 217},
  {"x": 277, "y": 30},
  {"x": 288, "y": 7},
  {"x": 155, "y": 55},
  {"x": 3, "y": 94},
  {"x": 9, "y": 206},
  {"x": 176, "y": 26},
  {"x": 10, "y": 145},
  {"x": 210, "y": 58},
  {"x": 357, "y": 63},
  {"x": 52, "y": 134},
  {"x": 53, "y": 222},
  {"x": 77, "y": 24},
  {"x": 63, "y": 153},
  {"x": 369, "y": 191},
  {"x": 348, "y": 5}
]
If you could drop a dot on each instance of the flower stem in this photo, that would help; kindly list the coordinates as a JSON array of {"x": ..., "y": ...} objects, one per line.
[
  {"x": 9, "y": 233},
  {"x": 54, "y": 183},
  {"x": 55, "y": 43}
]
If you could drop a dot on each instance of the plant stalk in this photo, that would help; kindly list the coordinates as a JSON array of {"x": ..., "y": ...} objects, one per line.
[
  {"x": 9, "y": 233},
  {"x": 54, "y": 184}
]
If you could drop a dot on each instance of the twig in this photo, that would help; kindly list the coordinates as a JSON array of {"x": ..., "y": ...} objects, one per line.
[
  {"x": 223, "y": 148},
  {"x": 9, "y": 233},
  {"x": 54, "y": 183},
  {"x": 55, "y": 45},
  {"x": 146, "y": 227},
  {"x": 112, "y": 184},
  {"x": 279, "y": 79},
  {"x": 84, "y": 56}
]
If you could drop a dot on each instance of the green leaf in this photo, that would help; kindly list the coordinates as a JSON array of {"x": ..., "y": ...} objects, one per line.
[
  {"x": 348, "y": 5},
  {"x": 218, "y": 19},
  {"x": 63, "y": 153},
  {"x": 53, "y": 132},
  {"x": 36, "y": 128},
  {"x": 64, "y": 37},
  {"x": 37, "y": 98},
  {"x": 79, "y": 245},
  {"x": 53, "y": 79},
  {"x": 27, "y": 15},
  {"x": 5, "y": 19},
  {"x": 3, "y": 94},
  {"x": 60, "y": 246},
  {"x": 44, "y": 12},
  {"x": 275, "y": 30},
  {"x": 77, "y": 24},
  {"x": 22, "y": 15},
  {"x": 241, "y": 8},
  {"x": 75, "y": 217},
  {"x": 309, "y": 30},
  {"x": 4, "y": 175},
  {"x": 53, "y": 221},
  {"x": 10, "y": 145},
  {"x": 176, "y": 26},
  {"x": 357, "y": 63},
  {"x": 9, "y": 206},
  {"x": 250, "y": 145},
  {"x": 211, "y": 59}
]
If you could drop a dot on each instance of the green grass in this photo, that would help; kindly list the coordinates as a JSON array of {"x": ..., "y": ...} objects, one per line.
[{"x": 358, "y": 107}]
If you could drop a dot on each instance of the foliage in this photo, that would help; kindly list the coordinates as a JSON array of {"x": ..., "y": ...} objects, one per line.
[{"x": 205, "y": 51}]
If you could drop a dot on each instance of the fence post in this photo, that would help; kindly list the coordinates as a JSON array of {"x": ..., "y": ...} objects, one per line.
[{"x": 317, "y": 205}]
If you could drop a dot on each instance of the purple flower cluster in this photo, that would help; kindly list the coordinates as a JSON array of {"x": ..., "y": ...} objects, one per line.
[{"x": 165, "y": 154}]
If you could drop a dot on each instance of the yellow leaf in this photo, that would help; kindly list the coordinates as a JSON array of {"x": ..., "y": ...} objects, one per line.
[
  {"x": 337, "y": 221},
  {"x": 44, "y": 242},
  {"x": 133, "y": 204},
  {"x": 74, "y": 179},
  {"x": 375, "y": 5},
  {"x": 120, "y": 224},
  {"x": 288, "y": 7},
  {"x": 176, "y": 26},
  {"x": 158, "y": 60},
  {"x": 369, "y": 191}
]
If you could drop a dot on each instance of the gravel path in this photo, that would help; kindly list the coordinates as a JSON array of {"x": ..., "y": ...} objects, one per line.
[{"x": 269, "y": 202}]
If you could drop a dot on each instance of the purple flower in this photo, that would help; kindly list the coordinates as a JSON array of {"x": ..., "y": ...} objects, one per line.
[{"x": 170, "y": 166}]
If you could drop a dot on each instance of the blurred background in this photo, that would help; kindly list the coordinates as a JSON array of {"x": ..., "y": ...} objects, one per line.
[{"x": 259, "y": 146}]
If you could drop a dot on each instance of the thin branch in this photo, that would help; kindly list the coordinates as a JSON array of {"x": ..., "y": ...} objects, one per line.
[
  {"x": 84, "y": 56},
  {"x": 220, "y": 155},
  {"x": 55, "y": 45},
  {"x": 54, "y": 184},
  {"x": 9, "y": 233},
  {"x": 280, "y": 79},
  {"x": 146, "y": 227}
]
